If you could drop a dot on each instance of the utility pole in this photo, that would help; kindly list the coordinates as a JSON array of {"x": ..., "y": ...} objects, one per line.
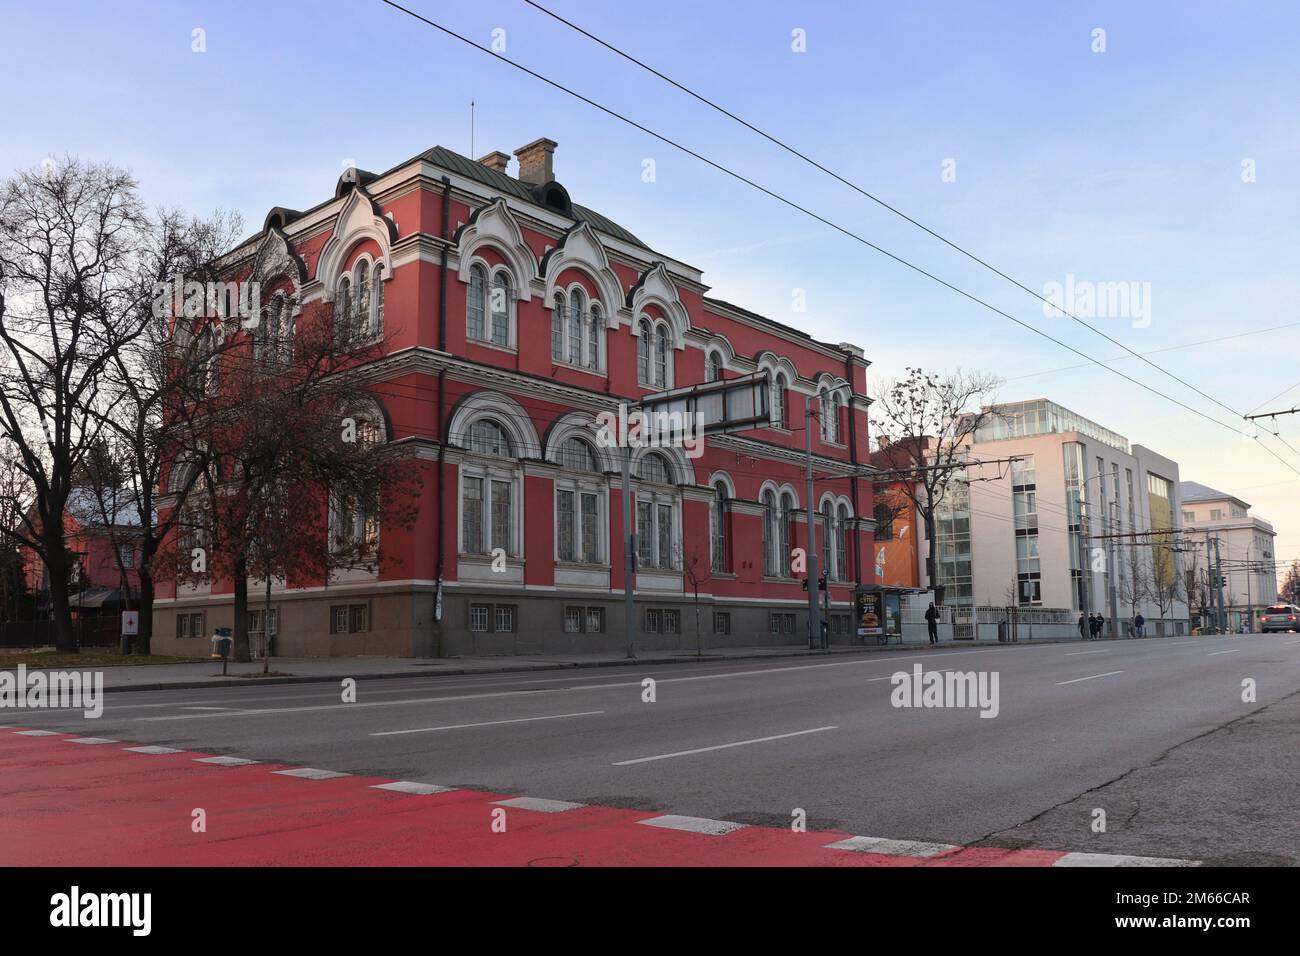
[
  {"x": 1113, "y": 571},
  {"x": 1222, "y": 619},
  {"x": 629, "y": 555},
  {"x": 809, "y": 511}
]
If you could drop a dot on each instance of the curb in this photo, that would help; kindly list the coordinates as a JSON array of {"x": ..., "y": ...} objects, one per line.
[{"x": 506, "y": 668}]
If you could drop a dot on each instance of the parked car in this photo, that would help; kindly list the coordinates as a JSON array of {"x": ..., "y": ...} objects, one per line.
[{"x": 1280, "y": 617}]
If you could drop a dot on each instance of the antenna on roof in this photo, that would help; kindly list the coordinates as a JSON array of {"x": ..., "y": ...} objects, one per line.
[{"x": 471, "y": 127}]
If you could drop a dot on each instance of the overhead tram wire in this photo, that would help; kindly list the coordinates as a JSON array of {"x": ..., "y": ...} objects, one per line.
[
  {"x": 876, "y": 199},
  {"x": 819, "y": 218}
]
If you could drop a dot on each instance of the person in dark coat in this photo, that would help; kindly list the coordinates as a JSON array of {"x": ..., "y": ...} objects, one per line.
[
  {"x": 1083, "y": 628},
  {"x": 932, "y": 622},
  {"x": 1097, "y": 623}
]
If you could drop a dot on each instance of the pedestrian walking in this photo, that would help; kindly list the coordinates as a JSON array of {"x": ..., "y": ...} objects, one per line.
[
  {"x": 1094, "y": 625},
  {"x": 1083, "y": 631},
  {"x": 932, "y": 622},
  {"x": 1139, "y": 622}
]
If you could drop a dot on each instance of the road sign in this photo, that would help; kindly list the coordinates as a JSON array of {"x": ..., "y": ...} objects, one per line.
[{"x": 130, "y": 623}]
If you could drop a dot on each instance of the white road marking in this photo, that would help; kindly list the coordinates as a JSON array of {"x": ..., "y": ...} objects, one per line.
[
  {"x": 1217, "y": 653},
  {"x": 89, "y": 740},
  {"x": 738, "y": 743},
  {"x": 1291, "y": 643},
  {"x": 197, "y": 707},
  {"x": 1062, "y": 683},
  {"x": 1081, "y": 653},
  {"x": 485, "y": 723},
  {"x": 1108, "y": 859},
  {"x": 673, "y": 821},
  {"x": 39, "y": 733},
  {"x": 152, "y": 750},
  {"x": 250, "y": 712},
  {"x": 311, "y": 773},
  {"x": 861, "y": 844},
  {"x": 538, "y": 805},
  {"x": 408, "y": 786},
  {"x": 225, "y": 761}
]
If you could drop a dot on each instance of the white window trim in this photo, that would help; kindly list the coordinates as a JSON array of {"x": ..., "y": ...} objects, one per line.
[
  {"x": 655, "y": 495},
  {"x": 588, "y": 319},
  {"x": 581, "y": 484},
  {"x": 490, "y": 469},
  {"x": 512, "y": 313}
]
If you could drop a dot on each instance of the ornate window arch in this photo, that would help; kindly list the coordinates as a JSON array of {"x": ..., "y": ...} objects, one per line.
[
  {"x": 720, "y": 522},
  {"x": 581, "y": 502},
  {"x": 578, "y": 324},
  {"x": 713, "y": 365},
  {"x": 655, "y": 346},
  {"x": 494, "y": 433},
  {"x": 490, "y": 305}
]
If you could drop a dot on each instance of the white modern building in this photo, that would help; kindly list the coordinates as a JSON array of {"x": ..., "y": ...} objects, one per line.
[
  {"x": 1221, "y": 526},
  {"x": 1080, "y": 520}
]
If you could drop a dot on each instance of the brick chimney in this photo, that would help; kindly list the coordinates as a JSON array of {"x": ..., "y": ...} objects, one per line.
[
  {"x": 535, "y": 161},
  {"x": 496, "y": 160}
]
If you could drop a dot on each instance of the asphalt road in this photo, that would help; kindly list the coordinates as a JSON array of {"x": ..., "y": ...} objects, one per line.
[{"x": 1155, "y": 733}]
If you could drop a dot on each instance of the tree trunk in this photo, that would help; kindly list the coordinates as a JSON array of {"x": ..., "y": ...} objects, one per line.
[
  {"x": 266, "y": 628},
  {"x": 65, "y": 639},
  {"x": 240, "y": 571},
  {"x": 144, "y": 639},
  {"x": 932, "y": 563}
]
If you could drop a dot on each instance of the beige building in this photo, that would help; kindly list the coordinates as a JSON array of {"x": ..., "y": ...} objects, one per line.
[
  {"x": 1244, "y": 550},
  {"x": 1069, "y": 524}
]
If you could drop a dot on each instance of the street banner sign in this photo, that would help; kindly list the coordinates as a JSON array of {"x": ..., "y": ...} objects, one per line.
[{"x": 130, "y": 623}]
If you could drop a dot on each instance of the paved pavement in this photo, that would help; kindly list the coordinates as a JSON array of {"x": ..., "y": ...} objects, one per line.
[{"x": 1153, "y": 733}]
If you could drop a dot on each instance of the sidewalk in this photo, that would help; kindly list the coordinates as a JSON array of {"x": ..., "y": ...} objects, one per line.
[{"x": 304, "y": 670}]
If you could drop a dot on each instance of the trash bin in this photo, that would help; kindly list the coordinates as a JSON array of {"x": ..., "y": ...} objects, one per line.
[{"x": 223, "y": 646}]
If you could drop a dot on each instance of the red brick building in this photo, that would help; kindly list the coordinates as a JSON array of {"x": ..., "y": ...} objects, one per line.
[{"x": 509, "y": 318}]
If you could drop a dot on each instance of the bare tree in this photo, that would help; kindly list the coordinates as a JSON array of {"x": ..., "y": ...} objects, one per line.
[
  {"x": 71, "y": 282},
  {"x": 1134, "y": 586},
  {"x": 159, "y": 381},
  {"x": 1290, "y": 589},
  {"x": 925, "y": 423},
  {"x": 697, "y": 566},
  {"x": 294, "y": 473}
]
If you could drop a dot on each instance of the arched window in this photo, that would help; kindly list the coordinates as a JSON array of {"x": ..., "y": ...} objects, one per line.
[
  {"x": 643, "y": 352},
  {"x": 488, "y": 438},
  {"x": 377, "y": 325},
  {"x": 579, "y": 505},
  {"x": 656, "y": 515},
  {"x": 779, "y": 386},
  {"x": 488, "y": 493},
  {"x": 842, "y": 519},
  {"x": 721, "y": 520},
  {"x": 361, "y": 306},
  {"x": 770, "y": 564},
  {"x": 661, "y": 357},
  {"x": 343, "y": 307},
  {"x": 576, "y": 302},
  {"x": 712, "y": 366},
  {"x": 557, "y": 329},
  {"x": 786, "y": 530},
  {"x": 828, "y": 540},
  {"x": 653, "y": 467},
  {"x": 824, "y": 407},
  {"x": 500, "y": 308},
  {"x": 576, "y": 455},
  {"x": 595, "y": 329},
  {"x": 476, "y": 306}
]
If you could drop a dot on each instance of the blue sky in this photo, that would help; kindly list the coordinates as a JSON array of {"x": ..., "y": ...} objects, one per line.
[{"x": 1122, "y": 166}]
